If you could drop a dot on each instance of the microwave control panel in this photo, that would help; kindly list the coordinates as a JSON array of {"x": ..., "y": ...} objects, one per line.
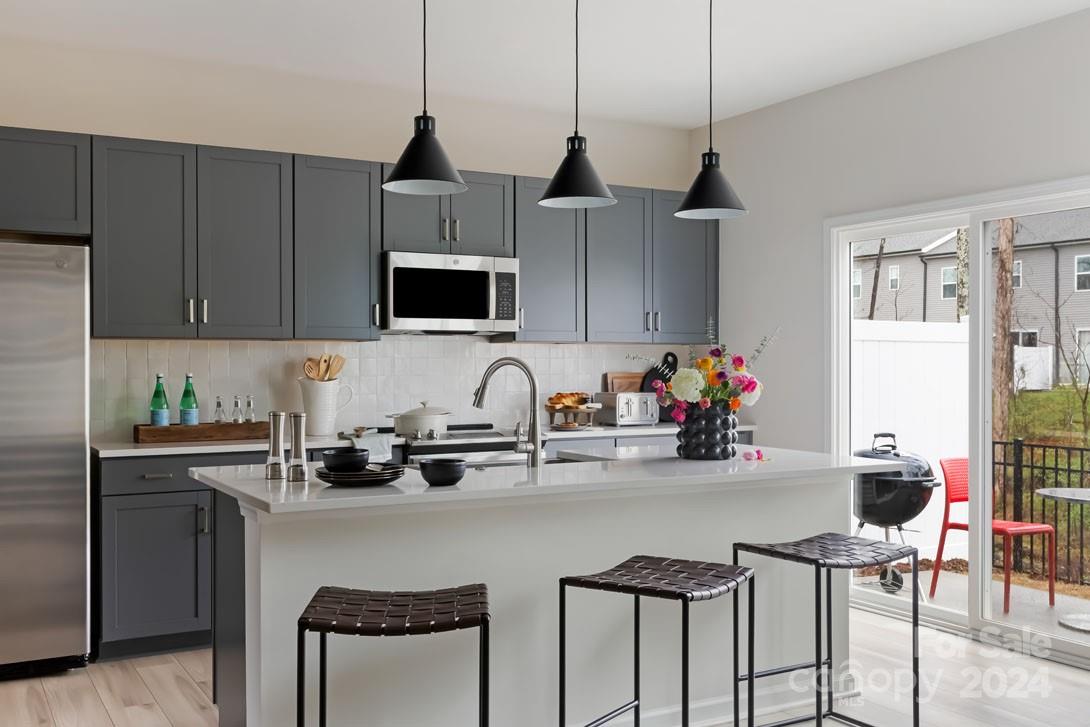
[{"x": 506, "y": 298}]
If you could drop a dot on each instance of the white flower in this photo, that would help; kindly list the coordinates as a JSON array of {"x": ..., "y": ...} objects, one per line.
[
  {"x": 751, "y": 398},
  {"x": 686, "y": 385}
]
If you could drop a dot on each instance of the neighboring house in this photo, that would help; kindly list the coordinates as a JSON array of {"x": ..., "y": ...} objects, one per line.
[{"x": 1051, "y": 281}]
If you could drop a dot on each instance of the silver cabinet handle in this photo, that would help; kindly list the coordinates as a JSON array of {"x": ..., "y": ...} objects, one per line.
[
  {"x": 191, "y": 309},
  {"x": 202, "y": 520},
  {"x": 658, "y": 320},
  {"x": 445, "y": 235},
  {"x": 647, "y": 320},
  {"x": 522, "y": 318},
  {"x": 457, "y": 230},
  {"x": 158, "y": 476},
  {"x": 374, "y": 315},
  {"x": 204, "y": 310}
]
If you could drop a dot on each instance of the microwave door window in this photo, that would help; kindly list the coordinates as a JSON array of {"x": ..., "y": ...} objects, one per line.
[{"x": 437, "y": 293}]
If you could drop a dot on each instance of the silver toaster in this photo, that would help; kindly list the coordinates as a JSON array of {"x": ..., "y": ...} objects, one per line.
[{"x": 627, "y": 408}]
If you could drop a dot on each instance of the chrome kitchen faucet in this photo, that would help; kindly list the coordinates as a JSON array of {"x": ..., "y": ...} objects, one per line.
[{"x": 533, "y": 449}]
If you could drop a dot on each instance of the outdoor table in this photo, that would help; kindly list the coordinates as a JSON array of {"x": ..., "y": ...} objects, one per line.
[{"x": 1079, "y": 496}]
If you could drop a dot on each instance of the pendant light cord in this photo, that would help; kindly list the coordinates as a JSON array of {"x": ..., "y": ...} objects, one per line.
[
  {"x": 710, "y": 148},
  {"x": 424, "y": 37},
  {"x": 577, "y": 67}
]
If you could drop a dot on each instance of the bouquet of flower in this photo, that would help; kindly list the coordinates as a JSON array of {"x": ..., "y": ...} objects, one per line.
[{"x": 718, "y": 378}]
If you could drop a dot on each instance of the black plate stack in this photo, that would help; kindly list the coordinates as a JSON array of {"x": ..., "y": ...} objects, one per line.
[{"x": 364, "y": 478}]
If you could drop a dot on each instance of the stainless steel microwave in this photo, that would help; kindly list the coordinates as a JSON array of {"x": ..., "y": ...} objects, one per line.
[{"x": 426, "y": 292}]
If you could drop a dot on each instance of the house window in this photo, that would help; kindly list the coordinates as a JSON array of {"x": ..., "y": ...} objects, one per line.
[
  {"x": 857, "y": 284},
  {"x": 1016, "y": 274},
  {"x": 894, "y": 277},
  {"x": 1082, "y": 272},
  {"x": 1024, "y": 338},
  {"x": 950, "y": 281}
]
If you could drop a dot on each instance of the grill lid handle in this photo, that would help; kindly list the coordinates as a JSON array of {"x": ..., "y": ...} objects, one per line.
[{"x": 888, "y": 446}]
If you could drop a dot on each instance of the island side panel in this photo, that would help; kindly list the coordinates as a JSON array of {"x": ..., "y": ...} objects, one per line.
[
  {"x": 520, "y": 550},
  {"x": 228, "y": 612}
]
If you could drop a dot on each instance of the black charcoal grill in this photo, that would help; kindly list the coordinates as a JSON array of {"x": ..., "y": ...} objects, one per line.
[{"x": 891, "y": 499}]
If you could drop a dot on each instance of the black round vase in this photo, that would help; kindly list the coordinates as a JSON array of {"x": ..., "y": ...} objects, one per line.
[{"x": 708, "y": 433}]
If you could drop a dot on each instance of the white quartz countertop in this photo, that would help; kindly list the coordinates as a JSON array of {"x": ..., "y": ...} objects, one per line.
[
  {"x": 649, "y": 474},
  {"x": 107, "y": 449}
]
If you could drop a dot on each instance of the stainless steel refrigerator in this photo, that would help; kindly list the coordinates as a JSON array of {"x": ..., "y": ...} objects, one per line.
[{"x": 44, "y": 489}]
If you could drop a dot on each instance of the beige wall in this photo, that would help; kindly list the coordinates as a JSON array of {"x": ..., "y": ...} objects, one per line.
[
  {"x": 1008, "y": 111},
  {"x": 139, "y": 95}
]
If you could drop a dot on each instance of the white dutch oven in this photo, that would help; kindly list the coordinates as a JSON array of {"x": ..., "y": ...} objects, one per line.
[{"x": 422, "y": 419}]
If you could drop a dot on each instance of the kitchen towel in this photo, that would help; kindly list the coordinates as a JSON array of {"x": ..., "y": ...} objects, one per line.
[{"x": 380, "y": 446}]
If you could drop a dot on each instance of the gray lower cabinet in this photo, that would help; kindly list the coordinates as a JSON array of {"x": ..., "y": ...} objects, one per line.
[
  {"x": 482, "y": 218},
  {"x": 244, "y": 243},
  {"x": 144, "y": 252},
  {"x": 337, "y": 243},
  {"x": 619, "y": 268},
  {"x": 46, "y": 182},
  {"x": 686, "y": 273},
  {"x": 551, "y": 248},
  {"x": 156, "y": 565}
]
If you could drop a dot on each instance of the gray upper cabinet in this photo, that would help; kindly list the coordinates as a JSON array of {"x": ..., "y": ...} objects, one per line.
[
  {"x": 144, "y": 252},
  {"x": 482, "y": 218},
  {"x": 619, "y": 268},
  {"x": 686, "y": 274},
  {"x": 46, "y": 182},
  {"x": 551, "y": 247},
  {"x": 156, "y": 564},
  {"x": 244, "y": 243},
  {"x": 337, "y": 235},
  {"x": 415, "y": 222}
]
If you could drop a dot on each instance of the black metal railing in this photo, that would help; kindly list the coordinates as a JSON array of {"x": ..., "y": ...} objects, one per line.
[{"x": 1019, "y": 469}]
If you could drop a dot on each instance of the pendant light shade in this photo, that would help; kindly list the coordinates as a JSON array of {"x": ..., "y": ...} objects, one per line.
[
  {"x": 424, "y": 168},
  {"x": 710, "y": 197},
  {"x": 575, "y": 184}
]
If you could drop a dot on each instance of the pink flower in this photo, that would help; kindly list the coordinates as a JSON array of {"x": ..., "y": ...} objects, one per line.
[
  {"x": 657, "y": 385},
  {"x": 683, "y": 405},
  {"x": 705, "y": 403},
  {"x": 678, "y": 414},
  {"x": 745, "y": 383},
  {"x": 738, "y": 362},
  {"x": 756, "y": 455}
]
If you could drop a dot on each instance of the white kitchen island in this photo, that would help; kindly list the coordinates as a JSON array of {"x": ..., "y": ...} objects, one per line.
[{"x": 517, "y": 530}]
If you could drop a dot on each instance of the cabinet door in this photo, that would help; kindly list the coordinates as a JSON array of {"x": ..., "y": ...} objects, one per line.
[
  {"x": 46, "y": 182},
  {"x": 337, "y": 232},
  {"x": 551, "y": 248},
  {"x": 156, "y": 564},
  {"x": 482, "y": 217},
  {"x": 144, "y": 244},
  {"x": 244, "y": 243},
  {"x": 415, "y": 222},
  {"x": 684, "y": 274},
  {"x": 619, "y": 268}
]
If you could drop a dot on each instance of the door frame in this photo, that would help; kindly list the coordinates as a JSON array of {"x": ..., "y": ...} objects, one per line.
[{"x": 966, "y": 211}]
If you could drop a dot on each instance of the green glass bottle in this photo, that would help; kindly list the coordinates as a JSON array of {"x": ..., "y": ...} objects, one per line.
[
  {"x": 160, "y": 407},
  {"x": 189, "y": 410}
]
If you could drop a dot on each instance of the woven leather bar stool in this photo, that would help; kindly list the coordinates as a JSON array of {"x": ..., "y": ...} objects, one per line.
[
  {"x": 827, "y": 552},
  {"x": 670, "y": 578},
  {"x": 354, "y": 612}
]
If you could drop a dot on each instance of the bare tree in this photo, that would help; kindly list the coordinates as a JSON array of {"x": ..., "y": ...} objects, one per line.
[
  {"x": 1065, "y": 337},
  {"x": 1002, "y": 353},
  {"x": 962, "y": 248},
  {"x": 877, "y": 275}
]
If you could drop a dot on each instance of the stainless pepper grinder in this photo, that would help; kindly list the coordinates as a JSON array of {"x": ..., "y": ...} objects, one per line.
[
  {"x": 274, "y": 463},
  {"x": 297, "y": 468}
]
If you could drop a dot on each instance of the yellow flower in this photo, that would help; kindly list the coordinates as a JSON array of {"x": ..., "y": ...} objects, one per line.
[
  {"x": 713, "y": 378},
  {"x": 705, "y": 364}
]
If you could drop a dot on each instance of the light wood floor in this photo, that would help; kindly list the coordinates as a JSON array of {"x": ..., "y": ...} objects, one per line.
[{"x": 175, "y": 690}]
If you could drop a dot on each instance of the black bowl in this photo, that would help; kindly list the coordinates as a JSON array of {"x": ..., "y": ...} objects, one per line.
[
  {"x": 442, "y": 472},
  {"x": 345, "y": 459}
]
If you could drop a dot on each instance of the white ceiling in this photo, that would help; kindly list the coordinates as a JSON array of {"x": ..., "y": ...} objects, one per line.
[{"x": 642, "y": 60}]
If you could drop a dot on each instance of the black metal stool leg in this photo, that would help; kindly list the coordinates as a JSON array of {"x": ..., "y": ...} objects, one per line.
[
  {"x": 818, "y": 668},
  {"x": 737, "y": 600},
  {"x": 750, "y": 701},
  {"x": 321, "y": 680},
  {"x": 829, "y": 633},
  {"x": 483, "y": 706},
  {"x": 915, "y": 640},
  {"x": 300, "y": 678},
  {"x": 684, "y": 663},
  {"x": 562, "y": 657},
  {"x": 636, "y": 662}
]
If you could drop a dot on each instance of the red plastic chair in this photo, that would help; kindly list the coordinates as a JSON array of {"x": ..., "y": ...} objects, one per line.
[{"x": 956, "y": 472}]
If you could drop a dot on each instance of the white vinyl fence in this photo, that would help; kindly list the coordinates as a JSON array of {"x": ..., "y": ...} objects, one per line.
[{"x": 1033, "y": 368}]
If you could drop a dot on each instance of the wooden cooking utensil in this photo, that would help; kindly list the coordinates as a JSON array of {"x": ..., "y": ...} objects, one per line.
[
  {"x": 335, "y": 366},
  {"x": 310, "y": 368},
  {"x": 323, "y": 367}
]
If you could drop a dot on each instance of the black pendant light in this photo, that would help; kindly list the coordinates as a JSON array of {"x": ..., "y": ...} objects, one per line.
[
  {"x": 575, "y": 183},
  {"x": 710, "y": 197},
  {"x": 424, "y": 167}
]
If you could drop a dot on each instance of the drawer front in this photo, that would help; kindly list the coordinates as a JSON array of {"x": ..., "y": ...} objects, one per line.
[{"x": 138, "y": 475}]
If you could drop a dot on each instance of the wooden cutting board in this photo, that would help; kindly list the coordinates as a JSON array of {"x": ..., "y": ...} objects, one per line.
[
  {"x": 205, "y": 432},
  {"x": 622, "y": 380}
]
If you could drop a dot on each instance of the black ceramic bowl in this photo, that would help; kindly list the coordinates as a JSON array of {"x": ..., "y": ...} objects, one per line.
[
  {"x": 345, "y": 459},
  {"x": 442, "y": 472}
]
